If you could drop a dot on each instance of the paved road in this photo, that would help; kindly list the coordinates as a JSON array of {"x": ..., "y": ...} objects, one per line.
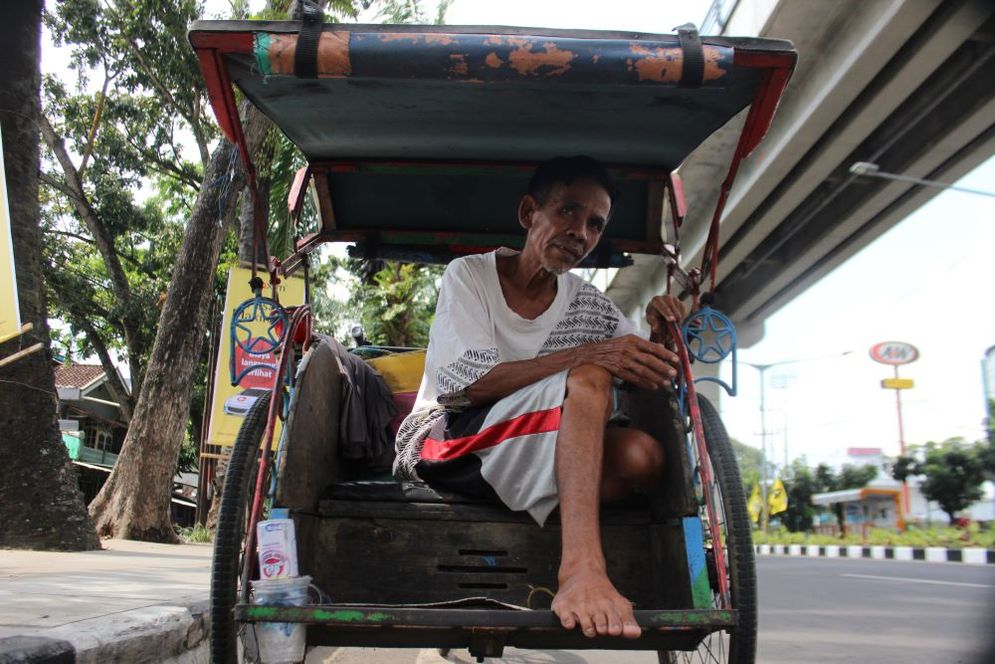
[
  {"x": 827, "y": 610},
  {"x": 823, "y": 610}
]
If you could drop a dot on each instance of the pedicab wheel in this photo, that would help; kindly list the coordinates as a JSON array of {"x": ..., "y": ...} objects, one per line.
[
  {"x": 228, "y": 570},
  {"x": 737, "y": 646}
]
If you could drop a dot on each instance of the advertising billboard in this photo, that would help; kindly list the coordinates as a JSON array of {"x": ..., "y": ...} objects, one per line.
[
  {"x": 894, "y": 353},
  {"x": 231, "y": 403},
  {"x": 10, "y": 314}
]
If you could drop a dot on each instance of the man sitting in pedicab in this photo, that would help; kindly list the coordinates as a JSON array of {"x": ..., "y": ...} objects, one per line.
[{"x": 517, "y": 392}]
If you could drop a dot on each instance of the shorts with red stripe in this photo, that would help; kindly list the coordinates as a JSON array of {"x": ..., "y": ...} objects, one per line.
[{"x": 505, "y": 450}]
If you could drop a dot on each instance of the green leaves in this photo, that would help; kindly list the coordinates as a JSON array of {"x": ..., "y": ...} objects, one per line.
[
  {"x": 952, "y": 472},
  {"x": 802, "y": 483},
  {"x": 134, "y": 117},
  {"x": 395, "y": 304}
]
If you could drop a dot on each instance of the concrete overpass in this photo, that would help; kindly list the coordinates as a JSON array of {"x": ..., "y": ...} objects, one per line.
[{"x": 906, "y": 84}]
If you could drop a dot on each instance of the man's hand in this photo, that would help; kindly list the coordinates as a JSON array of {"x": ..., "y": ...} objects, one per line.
[
  {"x": 659, "y": 311},
  {"x": 645, "y": 364}
]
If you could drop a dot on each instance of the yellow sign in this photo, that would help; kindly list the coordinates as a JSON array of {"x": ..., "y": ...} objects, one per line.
[
  {"x": 756, "y": 504},
  {"x": 231, "y": 403},
  {"x": 10, "y": 314},
  {"x": 898, "y": 383},
  {"x": 777, "y": 499}
]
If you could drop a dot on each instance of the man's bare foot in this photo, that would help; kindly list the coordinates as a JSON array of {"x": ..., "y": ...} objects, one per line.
[{"x": 587, "y": 598}]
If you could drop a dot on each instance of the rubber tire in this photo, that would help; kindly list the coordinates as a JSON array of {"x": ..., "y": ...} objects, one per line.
[
  {"x": 739, "y": 543},
  {"x": 236, "y": 500}
]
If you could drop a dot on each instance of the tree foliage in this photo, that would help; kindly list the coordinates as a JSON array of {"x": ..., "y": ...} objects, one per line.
[
  {"x": 128, "y": 141},
  {"x": 128, "y": 172},
  {"x": 393, "y": 302},
  {"x": 952, "y": 472},
  {"x": 801, "y": 486},
  {"x": 750, "y": 461},
  {"x": 121, "y": 174},
  {"x": 986, "y": 455},
  {"x": 411, "y": 11}
]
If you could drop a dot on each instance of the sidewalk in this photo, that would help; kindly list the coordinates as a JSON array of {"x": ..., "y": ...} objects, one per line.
[{"x": 131, "y": 602}]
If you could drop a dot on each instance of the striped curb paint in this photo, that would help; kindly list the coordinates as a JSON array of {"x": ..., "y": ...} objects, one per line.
[{"x": 932, "y": 554}]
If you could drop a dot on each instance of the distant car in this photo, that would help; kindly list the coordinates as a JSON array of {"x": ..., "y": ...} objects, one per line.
[{"x": 240, "y": 404}]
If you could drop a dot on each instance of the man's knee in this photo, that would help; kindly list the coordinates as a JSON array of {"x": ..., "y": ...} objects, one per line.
[
  {"x": 640, "y": 458},
  {"x": 649, "y": 459},
  {"x": 591, "y": 383}
]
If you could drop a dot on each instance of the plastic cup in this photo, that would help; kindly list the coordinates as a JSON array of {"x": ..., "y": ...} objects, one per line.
[{"x": 278, "y": 642}]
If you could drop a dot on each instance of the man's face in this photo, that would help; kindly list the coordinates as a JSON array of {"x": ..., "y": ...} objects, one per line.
[{"x": 567, "y": 226}]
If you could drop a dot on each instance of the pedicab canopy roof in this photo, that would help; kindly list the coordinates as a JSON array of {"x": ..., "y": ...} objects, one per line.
[{"x": 421, "y": 139}]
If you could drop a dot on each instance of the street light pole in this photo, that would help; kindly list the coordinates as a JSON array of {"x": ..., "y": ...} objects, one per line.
[
  {"x": 762, "y": 371},
  {"x": 762, "y": 368},
  {"x": 873, "y": 170}
]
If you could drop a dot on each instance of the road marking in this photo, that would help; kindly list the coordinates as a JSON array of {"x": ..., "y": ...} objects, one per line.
[{"x": 905, "y": 578}]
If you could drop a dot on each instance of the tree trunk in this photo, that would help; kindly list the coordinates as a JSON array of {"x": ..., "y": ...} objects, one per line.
[
  {"x": 40, "y": 503},
  {"x": 134, "y": 503}
]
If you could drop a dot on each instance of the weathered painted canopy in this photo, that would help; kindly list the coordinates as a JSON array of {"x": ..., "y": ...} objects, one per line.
[{"x": 421, "y": 138}]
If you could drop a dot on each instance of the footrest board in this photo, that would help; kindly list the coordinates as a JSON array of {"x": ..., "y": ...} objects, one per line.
[{"x": 484, "y": 631}]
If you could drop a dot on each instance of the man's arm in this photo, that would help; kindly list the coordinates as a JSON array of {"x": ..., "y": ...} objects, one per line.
[{"x": 646, "y": 364}]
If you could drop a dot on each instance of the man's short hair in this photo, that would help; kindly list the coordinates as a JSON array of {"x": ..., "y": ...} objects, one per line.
[{"x": 565, "y": 171}]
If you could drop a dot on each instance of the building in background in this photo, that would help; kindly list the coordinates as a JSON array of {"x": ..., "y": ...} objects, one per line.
[
  {"x": 93, "y": 430},
  {"x": 921, "y": 511},
  {"x": 91, "y": 423}
]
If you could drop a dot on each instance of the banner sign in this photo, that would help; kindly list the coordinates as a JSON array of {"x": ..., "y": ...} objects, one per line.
[
  {"x": 10, "y": 314},
  {"x": 231, "y": 403}
]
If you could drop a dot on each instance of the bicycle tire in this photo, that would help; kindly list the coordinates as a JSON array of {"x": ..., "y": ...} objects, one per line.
[
  {"x": 739, "y": 645},
  {"x": 236, "y": 500}
]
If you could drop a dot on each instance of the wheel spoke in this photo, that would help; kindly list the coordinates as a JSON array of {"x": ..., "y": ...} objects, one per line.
[{"x": 724, "y": 520}]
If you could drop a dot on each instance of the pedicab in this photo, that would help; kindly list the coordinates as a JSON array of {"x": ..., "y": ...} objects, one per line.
[{"x": 419, "y": 141}]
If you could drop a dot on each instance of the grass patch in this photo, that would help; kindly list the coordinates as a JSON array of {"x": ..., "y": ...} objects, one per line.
[
  {"x": 197, "y": 534},
  {"x": 915, "y": 536}
]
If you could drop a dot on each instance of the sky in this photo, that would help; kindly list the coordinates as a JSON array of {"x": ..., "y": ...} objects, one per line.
[
  {"x": 638, "y": 15},
  {"x": 927, "y": 282}
]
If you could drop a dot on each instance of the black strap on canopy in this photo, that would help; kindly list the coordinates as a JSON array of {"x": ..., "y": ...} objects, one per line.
[
  {"x": 306, "y": 54},
  {"x": 693, "y": 68}
]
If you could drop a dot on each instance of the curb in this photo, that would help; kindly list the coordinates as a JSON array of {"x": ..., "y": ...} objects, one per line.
[
  {"x": 163, "y": 633},
  {"x": 932, "y": 554}
]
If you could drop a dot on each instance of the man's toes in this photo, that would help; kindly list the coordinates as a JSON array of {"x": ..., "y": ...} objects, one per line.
[
  {"x": 614, "y": 624},
  {"x": 631, "y": 630},
  {"x": 587, "y": 626},
  {"x": 568, "y": 621},
  {"x": 601, "y": 623}
]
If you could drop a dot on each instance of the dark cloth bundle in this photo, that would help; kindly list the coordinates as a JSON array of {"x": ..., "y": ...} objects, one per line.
[{"x": 367, "y": 410}]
